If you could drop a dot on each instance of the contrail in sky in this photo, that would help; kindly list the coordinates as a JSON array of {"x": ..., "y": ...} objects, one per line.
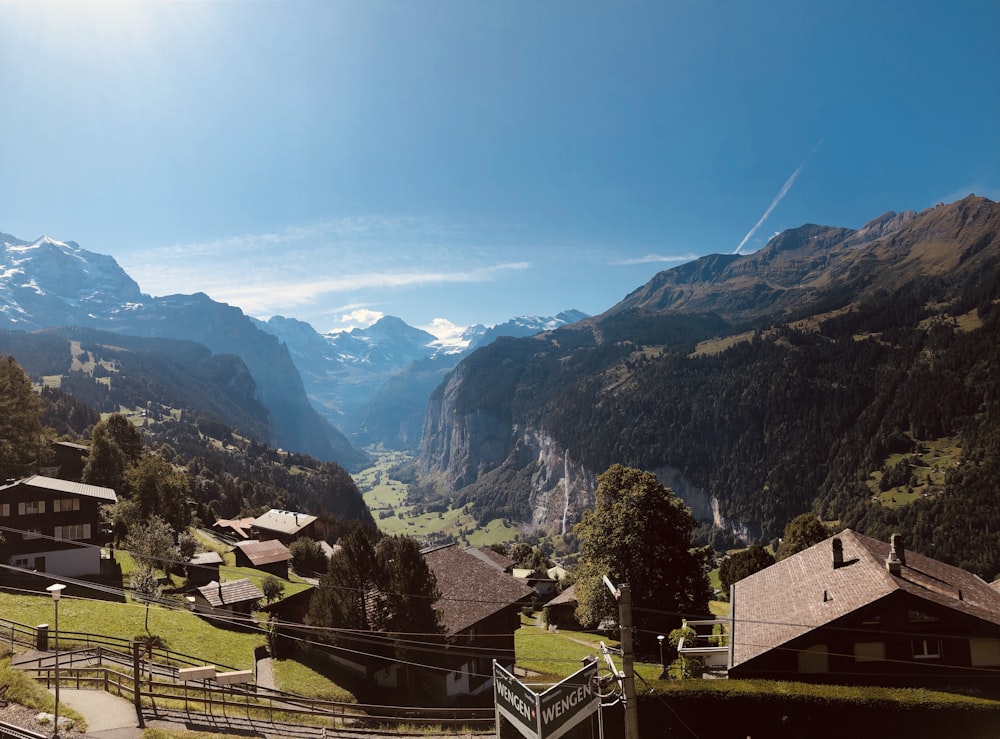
[{"x": 777, "y": 199}]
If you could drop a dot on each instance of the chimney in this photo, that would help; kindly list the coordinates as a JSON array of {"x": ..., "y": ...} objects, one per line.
[
  {"x": 838, "y": 553},
  {"x": 896, "y": 542},
  {"x": 893, "y": 564}
]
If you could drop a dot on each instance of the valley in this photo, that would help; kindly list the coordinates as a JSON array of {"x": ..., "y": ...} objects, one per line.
[{"x": 387, "y": 499}]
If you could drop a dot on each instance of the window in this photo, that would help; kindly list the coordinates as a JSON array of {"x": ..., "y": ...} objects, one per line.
[
  {"x": 31, "y": 507},
  {"x": 985, "y": 652},
  {"x": 926, "y": 648},
  {"x": 31, "y": 534},
  {"x": 4, "y": 509},
  {"x": 814, "y": 659},
  {"x": 869, "y": 651},
  {"x": 20, "y": 563},
  {"x": 75, "y": 532},
  {"x": 66, "y": 504},
  {"x": 920, "y": 617}
]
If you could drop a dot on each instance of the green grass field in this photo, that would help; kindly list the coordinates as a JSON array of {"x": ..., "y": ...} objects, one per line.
[{"x": 387, "y": 500}]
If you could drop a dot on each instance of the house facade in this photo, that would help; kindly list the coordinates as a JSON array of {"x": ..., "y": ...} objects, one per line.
[
  {"x": 856, "y": 610},
  {"x": 54, "y": 525}
]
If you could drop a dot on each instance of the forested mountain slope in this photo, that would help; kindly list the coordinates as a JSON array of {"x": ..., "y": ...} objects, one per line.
[
  {"x": 803, "y": 377},
  {"x": 199, "y": 410}
]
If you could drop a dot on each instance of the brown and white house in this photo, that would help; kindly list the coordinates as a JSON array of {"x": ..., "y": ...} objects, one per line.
[
  {"x": 856, "y": 610},
  {"x": 53, "y": 525}
]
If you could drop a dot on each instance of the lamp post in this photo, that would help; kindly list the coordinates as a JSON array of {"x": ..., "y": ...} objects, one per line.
[
  {"x": 56, "y": 591},
  {"x": 660, "y": 640}
]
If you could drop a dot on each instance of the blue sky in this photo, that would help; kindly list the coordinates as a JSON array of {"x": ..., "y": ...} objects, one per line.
[{"x": 471, "y": 161}]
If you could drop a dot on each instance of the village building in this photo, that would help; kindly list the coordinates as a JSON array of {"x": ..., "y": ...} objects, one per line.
[
  {"x": 54, "y": 526},
  {"x": 233, "y": 529},
  {"x": 268, "y": 556},
  {"x": 203, "y": 568},
  {"x": 285, "y": 526},
  {"x": 853, "y": 609},
  {"x": 230, "y": 600}
]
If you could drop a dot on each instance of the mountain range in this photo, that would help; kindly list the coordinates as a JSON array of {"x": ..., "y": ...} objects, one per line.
[
  {"x": 846, "y": 372},
  {"x": 802, "y": 377},
  {"x": 311, "y": 386}
]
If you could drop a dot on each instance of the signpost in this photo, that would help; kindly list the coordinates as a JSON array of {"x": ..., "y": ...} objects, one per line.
[{"x": 547, "y": 715}]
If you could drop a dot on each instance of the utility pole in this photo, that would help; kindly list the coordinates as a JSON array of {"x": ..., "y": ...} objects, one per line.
[{"x": 623, "y": 595}]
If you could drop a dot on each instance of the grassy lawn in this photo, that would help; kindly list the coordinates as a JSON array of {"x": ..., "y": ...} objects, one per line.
[
  {"x": 182, "y": 630},
  {"x": 295, "y": 677},
  {"x": 554, "y": 655},
  {"x": 30, "y": 693}
]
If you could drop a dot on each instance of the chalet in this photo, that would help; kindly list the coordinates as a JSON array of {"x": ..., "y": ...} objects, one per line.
[
  {"x": 269, "y": 556},
  {"x": 561, "y": 610},
  {"x": 285, "y": 526},
  {"x": 480, "y": 611},
  {"x": 543, "y": 585},
  {"x": 853, "y": 609},
  {"x": 203, "y": 568},
  {"x": 53, "y": 525},
  {"x": 69, "y": 459},
  {"x": 226, "y": 599}
]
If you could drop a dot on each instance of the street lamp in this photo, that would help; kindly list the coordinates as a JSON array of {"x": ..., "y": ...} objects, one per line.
[
  {"x": 660, "y": 639},
  {"x": 56, "y": 591}
]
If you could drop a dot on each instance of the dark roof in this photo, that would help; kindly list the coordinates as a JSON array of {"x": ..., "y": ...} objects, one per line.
[
  {"x": 565, "y": 598},
  {"x": 801, "y": 593},
  {"x": 500, "y": 561},
  {"x": 471, "y": 590},
  {"x": 228, "y": 593},
  {"x": 264, "y": 552},
  {"x": 55, "y": 485},
  {"x": 206, "y": 558}
]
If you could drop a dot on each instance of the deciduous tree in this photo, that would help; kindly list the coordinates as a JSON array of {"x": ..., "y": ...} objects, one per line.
[
  {"x": 640, "y": 533},
  {"x": 743, "y": 564},
  {"x": 801, "y": 533}
]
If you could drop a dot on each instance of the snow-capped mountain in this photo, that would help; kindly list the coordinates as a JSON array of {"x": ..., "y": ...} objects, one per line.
[
  {"x": 45, "y": 281},
  {"x": 372, "y": 378},
  {"x": 47, "y": 284}
]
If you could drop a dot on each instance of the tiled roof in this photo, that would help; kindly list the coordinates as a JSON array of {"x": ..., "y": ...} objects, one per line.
[
  {"x": 284, "y": 522},
  {"x": 471, "y": 590},
  {"x": 56, "y": 485},
  {"x": 228, "y": 593},
  {"x": 565, "y": 598},
  {"x": 805, "y": 591},
  {"x": 500, "y": 561},
  {"x": 265, "y": 552}
]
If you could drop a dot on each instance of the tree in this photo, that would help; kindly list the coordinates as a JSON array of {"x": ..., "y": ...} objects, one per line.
[
  {"x": 640, "y": 533},
  {"x": 272, "y": 588},
  {"x": 408, "y": 587},
  {"x": 22, "y": 440},
  {"x": 307, "y": 556},
  {"x": 340, "y": 599},
  {"x": 743, "y": 564},
  {"x": 801, "y": 533},
  {"x": 160, "y": 490},
  {"x": 152, "y": 544},
  {"x": 115, "y": 446}
]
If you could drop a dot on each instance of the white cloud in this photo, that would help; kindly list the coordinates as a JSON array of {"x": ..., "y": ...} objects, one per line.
[
  {"x": 656, "y": 259},
  {"x": 443, "y": 329},
  {"x": 362, "y": 317}
]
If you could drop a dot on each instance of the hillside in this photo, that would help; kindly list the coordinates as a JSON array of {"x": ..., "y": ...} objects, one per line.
[
  {"x": 51, "y": 284},
  {"x": 198, "y": 409},
  {"x": 758, "y": 387}
]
